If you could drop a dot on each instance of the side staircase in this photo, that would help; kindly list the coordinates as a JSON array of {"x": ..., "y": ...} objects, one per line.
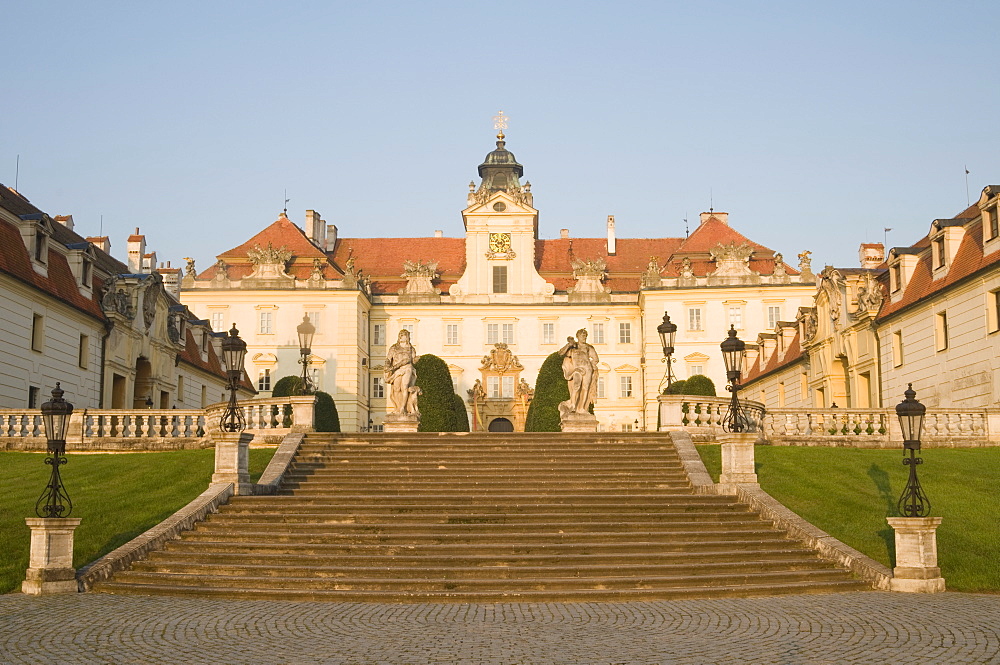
[{"x": 483, "y": 518}]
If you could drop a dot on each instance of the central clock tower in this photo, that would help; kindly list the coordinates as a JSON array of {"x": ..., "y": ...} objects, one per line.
[{"x": 501, "y": 227}]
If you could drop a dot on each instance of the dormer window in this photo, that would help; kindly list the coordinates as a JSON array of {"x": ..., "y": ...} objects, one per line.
[
  {"x": 85, "y": 273},
  {"x": 41, "y": 246},
  {"x": 939, "y": 252},
  {"x": 897, "y": 277}
]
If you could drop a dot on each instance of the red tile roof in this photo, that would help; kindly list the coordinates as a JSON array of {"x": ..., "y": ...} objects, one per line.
[{"x": 777, "y": 360}]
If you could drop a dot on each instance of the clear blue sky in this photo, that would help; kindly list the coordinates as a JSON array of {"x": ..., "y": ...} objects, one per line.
[{"x": 814, "y": 125}]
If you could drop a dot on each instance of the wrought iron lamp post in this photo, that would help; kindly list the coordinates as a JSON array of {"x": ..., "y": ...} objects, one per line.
[
  {"x": 234, "y": 351},
  {"x": 306, "y": 330},
  {"x": 734, "y": 353},
  {"x": 913, "y": 502},
  {"x": 55, "y": 501},
  {"x": 667, "y": 331}
]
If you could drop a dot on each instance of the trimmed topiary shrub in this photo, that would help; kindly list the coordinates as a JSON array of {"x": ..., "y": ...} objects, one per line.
[
  {"x": 326, "y": 418},
  {"x": 699, "y": 384},
  {"x": 461, "y": 423},
  {"x": 437, "y": 401},
  {"x": 676, "y": 388},
  {"x": 287, "y": 386},
  {"x": 550, "y": 389}
]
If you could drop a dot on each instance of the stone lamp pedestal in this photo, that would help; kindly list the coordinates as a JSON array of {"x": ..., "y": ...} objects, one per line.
[
  {"x": 737, "y": 461},
  {"x": 916, "y": 568},
  {"x": 232, "y": 460},
  {"x": 50, "y": 564},
  {"x": 400, "y": 422}
]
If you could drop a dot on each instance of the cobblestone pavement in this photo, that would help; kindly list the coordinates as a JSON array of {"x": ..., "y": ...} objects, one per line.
[{"x": 867, "y": 627}]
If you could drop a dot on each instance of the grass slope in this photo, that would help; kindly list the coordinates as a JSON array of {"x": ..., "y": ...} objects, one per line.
[
  {"x": 118, "y": 496},
  {"x": 849, "y": 492}
]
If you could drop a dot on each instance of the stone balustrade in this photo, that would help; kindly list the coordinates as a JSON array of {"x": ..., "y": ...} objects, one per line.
[
  {"x": 879, "y": 428},
  {"x": 155, "y": 429},
  {"x": 698, "y": 414}
]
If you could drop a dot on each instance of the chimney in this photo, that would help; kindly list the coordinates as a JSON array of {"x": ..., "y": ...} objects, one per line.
[
  {"x": 871, "y": 254},
  {"x": 102, "y": 243},
  {"x": 331, "y": 237},
  {"x": 721, "y": 216},
  {"x": 136, "y": 251},
  {"x": 563, "y": 234},
  {"x": 315, "y": 228},
  {"x": 438, "y": 234},
  {"x": 611, "y": 234},
  {"x": 65, "y": 220}
]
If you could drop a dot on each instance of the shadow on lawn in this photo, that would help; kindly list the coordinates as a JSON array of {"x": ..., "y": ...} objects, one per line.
[{"x": 881, "y": 480}]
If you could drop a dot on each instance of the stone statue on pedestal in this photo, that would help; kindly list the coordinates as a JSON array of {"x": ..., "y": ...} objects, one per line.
[
  {"x": 401, "y": 379},
  {"x": 580, "y": 370}
]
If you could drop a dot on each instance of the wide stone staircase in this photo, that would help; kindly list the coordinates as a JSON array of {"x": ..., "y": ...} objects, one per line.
[{"x": 483, "y": 517}]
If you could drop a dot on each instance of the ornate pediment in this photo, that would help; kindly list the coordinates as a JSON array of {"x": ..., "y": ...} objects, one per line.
[
  {"x": 589, "y": 275},
  {"x": 651, "y": 275},
  {"x": 732, "y": 263},
  {"x": 269, "y": 271},
  {"x": 419, "y": 278},
  {"x": 501, "y": 360}
]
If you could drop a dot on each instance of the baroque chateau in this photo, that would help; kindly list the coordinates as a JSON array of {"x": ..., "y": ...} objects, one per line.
[{"x": 495, "y": 303}]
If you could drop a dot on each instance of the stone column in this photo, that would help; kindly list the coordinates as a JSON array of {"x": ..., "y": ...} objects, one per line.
[
  {"x": 50, "y": 564},
  {"x": 303, "y": 413},
  {"x": 737, "y": 461},
  {"x": 916, "y": 568},
  {"x": 671, "y": 412},
  {"x": 232, "y": 460}
]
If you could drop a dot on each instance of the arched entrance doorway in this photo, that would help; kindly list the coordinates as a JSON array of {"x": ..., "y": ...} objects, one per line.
[
  {"x": 143, "y": 386},
  {"x": 501, "y": 425}
]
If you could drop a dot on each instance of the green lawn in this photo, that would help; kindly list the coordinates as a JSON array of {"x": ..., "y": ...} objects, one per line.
[
  {"x": 849, "y": 492},
  {"x": 118, "y": 496}
]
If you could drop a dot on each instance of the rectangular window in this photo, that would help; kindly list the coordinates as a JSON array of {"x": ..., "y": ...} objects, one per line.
[
  {"x": 696, "y": 369},
  {"x": 941, "y": 331},
  {"x": 492, "y": 333},
  {"x": 410, "y": 328},
  {"x": 602, "y": 390},
  {"x": 314, "y": 318},
  {"x": 993, "y": 311},
  {"x": 897, "y": 348},
  {"x": 378, "y": 387},
  {"x": 85, "y": 273},
  {"x": 40, "y": 247},
  {"x": 773, "y": 316},
  {"x": 624, "y": 333},
  {"x": 33, "y": 393},
  {"x": 694, "y": 318},
  {"x": 598, "y": 333},
  {"x": 204, "y": 341},
  {"x": 83, "y": 357},
  {"x": 507, "y": 386},
  {"x": 180, "y": 388},
  {"x": 939, "y": 252},
  {"x": 266, "y": 326},
  {"x": 378, "y": 428},
  {"x": 37, "y": 332},
  {"x": 451, "y": 333},
  {"x": 548, "y": 333},
  {"x": 378, "y": 334},
  {"x": 626, "y": 385},
  {"x": 218, "y": 321},
  {"x": 992, "y": 223},
  {"x": 499, "y": 279},
  {"x": 781, "y": 394},
  {"x": 264, "y": 380},
  {"x": 493, "y": 386},
  {"x": 507, "y": 333},
  {"x": 897, "y": 277},
  {"x": 736, "y": 317},
  {"x": 626, "y": 427}
]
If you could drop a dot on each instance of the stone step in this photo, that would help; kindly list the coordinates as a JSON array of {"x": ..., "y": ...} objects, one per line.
[
  {"x": 700, "y": 545},
  {"x": 498, "y": 572},
  {"x": 267, "y": 520},
  {"x": 525, "y": 538},
  {"x": 506, "y": 596},
  {"x": 486, "y": 584},
  {"x": 418, "y": 562}
]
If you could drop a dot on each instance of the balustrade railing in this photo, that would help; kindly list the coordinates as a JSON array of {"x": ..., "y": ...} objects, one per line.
[
  {"x": 877, "y": 427},
  {"x": 88, "y": 427},
  {"x": 704, "y": 413}
]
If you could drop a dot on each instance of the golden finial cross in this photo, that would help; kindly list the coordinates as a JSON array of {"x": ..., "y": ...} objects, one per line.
[{"x": 500, "y": 123}]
